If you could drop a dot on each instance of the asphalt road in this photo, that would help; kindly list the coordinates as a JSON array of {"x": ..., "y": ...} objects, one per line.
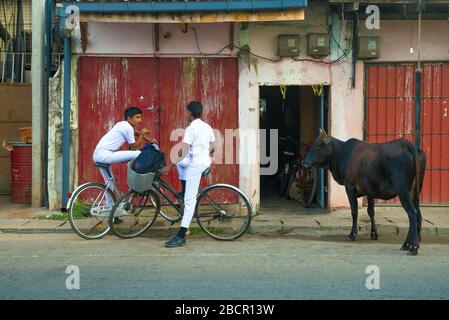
[{"x": 34, "y": 267}]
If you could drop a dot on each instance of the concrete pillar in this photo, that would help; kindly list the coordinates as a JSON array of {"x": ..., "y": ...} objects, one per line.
[{"x": 37, "y": 78}]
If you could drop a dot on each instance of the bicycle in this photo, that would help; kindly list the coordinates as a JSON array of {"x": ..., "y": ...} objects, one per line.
[
  {"x": 288, "y": 146},
  {"x": 222, "y": 211},
  {"x": 305, "y": 179},
  {"x": 87, "y": 210}
]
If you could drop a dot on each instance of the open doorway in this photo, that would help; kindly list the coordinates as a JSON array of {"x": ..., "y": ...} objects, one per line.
[{"x": 297, "y": 113}]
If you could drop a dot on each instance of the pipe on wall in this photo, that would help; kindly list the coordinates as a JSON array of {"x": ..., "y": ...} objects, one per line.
[{"x": 66, "y": 122}]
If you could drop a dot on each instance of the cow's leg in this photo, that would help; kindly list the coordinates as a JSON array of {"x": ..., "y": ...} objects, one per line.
[
  {"x": 352, "y": 197},
  {"x": 406, "y": 245},
  {"x": 418, "y": 219},
  {"x": 374, "y": 235},
  {"x": 411, "y": 240}
]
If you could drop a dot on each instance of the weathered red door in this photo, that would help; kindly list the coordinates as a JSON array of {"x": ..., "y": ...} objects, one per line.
[
  {"x": 214, "y": 83},
  {"x": 390, "y": 114},
  {"x": 161, "y": 88},
  {"x": 107, "y": 86}
]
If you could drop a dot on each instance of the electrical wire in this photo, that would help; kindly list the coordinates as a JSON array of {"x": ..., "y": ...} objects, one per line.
[{"x": 346, "y": 52}]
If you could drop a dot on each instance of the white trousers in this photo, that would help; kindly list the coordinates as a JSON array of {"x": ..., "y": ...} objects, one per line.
[
  {"x": 110, "y": 157},
  {"x": 192, "y": 175}
]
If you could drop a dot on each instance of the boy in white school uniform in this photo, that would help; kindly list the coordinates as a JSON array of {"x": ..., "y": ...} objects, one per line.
[
  {"x": 198, "y": 146},
  {"x": 122, "y": 132}
]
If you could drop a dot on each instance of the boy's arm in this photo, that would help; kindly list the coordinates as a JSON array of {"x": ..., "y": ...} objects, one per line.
[{"x": 184, "y": 152}]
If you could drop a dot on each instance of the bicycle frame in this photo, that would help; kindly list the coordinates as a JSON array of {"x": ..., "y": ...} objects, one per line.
[
  {"x": 159, "y": 183},
  {"x": 160, "y": 191},
  {"x": 102, "y": 193}
]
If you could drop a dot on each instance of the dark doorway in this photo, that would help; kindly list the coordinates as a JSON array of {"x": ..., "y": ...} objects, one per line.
[{"x": 297, "y": 113}]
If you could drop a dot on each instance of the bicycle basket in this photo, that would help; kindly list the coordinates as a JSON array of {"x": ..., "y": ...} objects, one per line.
[{"x": 139, "y": 182}]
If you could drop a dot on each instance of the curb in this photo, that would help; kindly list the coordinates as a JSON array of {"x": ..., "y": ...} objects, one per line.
[{"x": 259, "y": 229}]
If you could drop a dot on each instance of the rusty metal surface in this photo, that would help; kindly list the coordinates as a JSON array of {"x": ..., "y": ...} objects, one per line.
[
  {"x": 435, "y": 132},
  {"x": 214, "y": 83},
  {"x": 21, "y": 174},
  {"x": 161, "y": 88},
  {"x": 390, "y": 114},
  {"x": 287, "y": 15},
  {"x": 107, "y": 86}
]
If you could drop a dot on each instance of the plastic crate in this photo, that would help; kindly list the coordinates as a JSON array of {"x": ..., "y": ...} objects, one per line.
[{"x": 139, "y": 182}]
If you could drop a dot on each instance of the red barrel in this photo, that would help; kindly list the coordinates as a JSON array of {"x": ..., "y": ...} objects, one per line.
[{"x": 21, "y": 173}]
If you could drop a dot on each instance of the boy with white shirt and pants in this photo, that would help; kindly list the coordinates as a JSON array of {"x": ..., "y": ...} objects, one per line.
[
  {"x": 106, "y": 149},
  {"x": 197, "y": 146}
]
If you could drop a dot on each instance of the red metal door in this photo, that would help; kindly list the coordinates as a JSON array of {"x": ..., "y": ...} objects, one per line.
[
  {"x": 435, "y": 132},
  {"x": 390, "y": 114},
  {"x": 161, "y": 88},
  {"x": 107, "y": 86},
  {"x": 214, "y": 83}
]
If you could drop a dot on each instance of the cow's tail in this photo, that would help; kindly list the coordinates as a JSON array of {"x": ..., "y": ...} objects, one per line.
[{"x": 414, "y": 151}]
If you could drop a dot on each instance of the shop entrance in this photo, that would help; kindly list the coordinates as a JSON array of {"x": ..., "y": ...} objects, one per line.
[{"x": 296, "y": 113}]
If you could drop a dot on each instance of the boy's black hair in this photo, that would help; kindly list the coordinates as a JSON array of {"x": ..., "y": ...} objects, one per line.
[
  {"x": 132, "y": 111},
  {"x": 195, "y": 108}
]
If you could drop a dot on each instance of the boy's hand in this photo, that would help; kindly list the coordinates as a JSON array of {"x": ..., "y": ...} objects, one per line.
[
  {"x": 143, "y": 132},
  {"x": 165, "y": 170}
]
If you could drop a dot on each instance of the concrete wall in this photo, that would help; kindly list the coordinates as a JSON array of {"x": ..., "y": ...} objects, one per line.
[
  {"x": 346, "y": 114},
  {"x": 346, "y": 108},
  {"x": 136, "y": 39},
  {"x": 15, "y": 113},
  {"x": 397, "y": 37},
  {"x": 55, "y": 136}
]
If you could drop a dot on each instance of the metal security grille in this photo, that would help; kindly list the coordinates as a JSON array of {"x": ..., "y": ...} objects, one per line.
[{"x": 390, "y": 95}]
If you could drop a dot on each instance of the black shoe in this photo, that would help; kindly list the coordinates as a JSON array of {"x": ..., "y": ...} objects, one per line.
[{"x": 176, "y": 241}]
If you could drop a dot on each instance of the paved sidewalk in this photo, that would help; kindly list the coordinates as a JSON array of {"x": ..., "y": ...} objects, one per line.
[{"x": 269, "y": 222}]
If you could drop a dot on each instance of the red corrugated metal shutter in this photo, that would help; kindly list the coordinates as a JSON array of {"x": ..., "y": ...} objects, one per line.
[
  {"x": 435, "y": 132},
  {"x": 390, "y": 114}
]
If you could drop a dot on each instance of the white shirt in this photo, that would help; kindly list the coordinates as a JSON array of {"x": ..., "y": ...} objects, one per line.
[
  {"x": 122, "y": 132},
  {"x": 199, "y": 135}
]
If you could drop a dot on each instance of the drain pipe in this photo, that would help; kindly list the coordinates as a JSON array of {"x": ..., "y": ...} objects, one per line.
[
  {"x": 48, "y": 52},
  {"x": 66, "y": 121},
  {"x": 418, "y": 84}
]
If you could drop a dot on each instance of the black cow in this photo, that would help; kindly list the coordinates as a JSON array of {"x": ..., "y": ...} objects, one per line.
[{"x": 378, "y": 171}]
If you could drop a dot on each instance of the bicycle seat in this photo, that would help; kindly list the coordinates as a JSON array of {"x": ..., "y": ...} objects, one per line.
[
  {"x": 206, "y": 172},
  {"x": 102, "y": 165}
]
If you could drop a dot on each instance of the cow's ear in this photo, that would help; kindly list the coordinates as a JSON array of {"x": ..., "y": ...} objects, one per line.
[{"x": 327, "y": 139}]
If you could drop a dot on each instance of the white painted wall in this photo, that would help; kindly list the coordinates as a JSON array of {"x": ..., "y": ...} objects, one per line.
[
  {"x": 116, "y": 39},
  {"x": 397, "y": 37}
]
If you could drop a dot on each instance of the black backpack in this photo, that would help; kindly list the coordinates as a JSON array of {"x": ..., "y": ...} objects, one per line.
[{"x": 150, "y": 159}]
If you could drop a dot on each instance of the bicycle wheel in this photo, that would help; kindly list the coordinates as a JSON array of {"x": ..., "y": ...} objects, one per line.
[
  {"x": 136, "y": 212},
  {"x": 223, "y": 212},
  {"x": 87, "y": 211},
  {"x": 308, "y": 188}
]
